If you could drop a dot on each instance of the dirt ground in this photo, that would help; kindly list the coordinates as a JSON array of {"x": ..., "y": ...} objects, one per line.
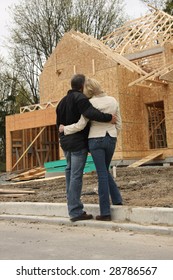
[{"x": 142, "y": 186}]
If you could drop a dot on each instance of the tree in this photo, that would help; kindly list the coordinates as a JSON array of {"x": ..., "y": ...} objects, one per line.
[
  {"x": 38, "y": 25},
  {"x": 98, "y": 19},
  {"x": 169, "y": 7},
  {"x": 13, "y": 95},
  {"x": 25, "y": 62}
]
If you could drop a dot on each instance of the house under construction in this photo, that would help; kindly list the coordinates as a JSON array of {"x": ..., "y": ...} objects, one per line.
[{"x": 134, "y": 64}]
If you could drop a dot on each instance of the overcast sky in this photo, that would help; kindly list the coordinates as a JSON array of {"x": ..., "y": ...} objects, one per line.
[{"x": 134, "y": 8}]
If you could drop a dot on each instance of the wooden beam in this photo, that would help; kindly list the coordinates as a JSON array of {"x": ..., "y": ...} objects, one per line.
[
  {"x": 153, "y": 74},
  {"x": 13, "y": 191},
  {"x": 146, "y": 159}
]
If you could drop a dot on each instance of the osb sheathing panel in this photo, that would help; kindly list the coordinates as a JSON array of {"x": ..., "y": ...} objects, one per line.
[
  {"x": 153, "y": 94},
  {"x": 70, "y": 57},
  {"x": 133, "y": 100},
  {"x": 133, "y": 117},
  {"x": 108, "y": 79},
  {"x": 170, "y": 132},
  {"x": 168, "y": 52},
  {"x": 27, "y": 120},
  {"x": 168, "y": 104}
]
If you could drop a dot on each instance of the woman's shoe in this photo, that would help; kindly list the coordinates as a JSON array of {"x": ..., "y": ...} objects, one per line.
[{"x": 103, "y": 218}]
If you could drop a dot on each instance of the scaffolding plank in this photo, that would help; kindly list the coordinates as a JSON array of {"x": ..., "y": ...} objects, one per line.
[{"x": 146, "y": 159}]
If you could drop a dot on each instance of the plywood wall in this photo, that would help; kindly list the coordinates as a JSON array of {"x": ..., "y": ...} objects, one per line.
[
  {"x": 71, "y": 57},
  {"x": 133, "y": 101},
  {"x": 132, "y": 114}
]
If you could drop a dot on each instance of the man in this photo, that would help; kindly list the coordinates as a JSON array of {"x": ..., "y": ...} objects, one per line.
[{"x": 75, "y": 146}]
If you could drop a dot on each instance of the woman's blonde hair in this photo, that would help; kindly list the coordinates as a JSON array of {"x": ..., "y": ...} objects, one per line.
[{"x": 92, "y": 87}]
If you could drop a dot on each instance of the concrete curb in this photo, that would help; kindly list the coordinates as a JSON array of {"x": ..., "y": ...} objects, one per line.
[
  {"x": 151, "y": 220},
  {"x": 150, "y": 229},
  {"x": 141, "y": 215}
]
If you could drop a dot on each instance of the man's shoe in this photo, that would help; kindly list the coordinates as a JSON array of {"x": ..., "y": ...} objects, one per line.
[
  {"x": 103, "y": 218},
  {"x": 120, "y": 203},
  {"x": 84, "y": 216}
]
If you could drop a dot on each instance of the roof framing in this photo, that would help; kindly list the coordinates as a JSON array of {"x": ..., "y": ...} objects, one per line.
[{"x": 143, "y": 33}]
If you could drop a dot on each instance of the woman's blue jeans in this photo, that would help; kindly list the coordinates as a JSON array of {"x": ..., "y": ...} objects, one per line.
[
  {"x": 74, "y": 178},
  {"x": 102, "y": 150}
]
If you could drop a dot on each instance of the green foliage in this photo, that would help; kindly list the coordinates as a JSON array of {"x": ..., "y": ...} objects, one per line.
[
  {"x": 13, "y": 95},
  {"x": 169, "y": 7},
  {"x": 2, "y": 166}
]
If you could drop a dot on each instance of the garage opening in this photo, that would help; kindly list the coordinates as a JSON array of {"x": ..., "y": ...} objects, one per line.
[{"x": 157, "y": 127}]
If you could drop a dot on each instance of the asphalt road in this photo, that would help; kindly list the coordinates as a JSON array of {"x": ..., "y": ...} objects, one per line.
[{"x": 39, "y": 241}]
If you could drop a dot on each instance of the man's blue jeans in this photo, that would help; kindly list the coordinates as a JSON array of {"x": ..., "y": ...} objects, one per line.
[
  {"x": 74, "y": 178},
  {"x": 102, "y": 149}
]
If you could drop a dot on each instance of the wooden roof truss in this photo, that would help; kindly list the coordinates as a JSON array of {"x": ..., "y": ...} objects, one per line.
[{"x": 140, "y": 34}]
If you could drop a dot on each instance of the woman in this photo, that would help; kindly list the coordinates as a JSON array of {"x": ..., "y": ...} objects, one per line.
[{"x": 102, "y": 141}]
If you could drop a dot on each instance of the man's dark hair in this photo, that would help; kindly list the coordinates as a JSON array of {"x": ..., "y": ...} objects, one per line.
[{"x": 77, "y": 82}]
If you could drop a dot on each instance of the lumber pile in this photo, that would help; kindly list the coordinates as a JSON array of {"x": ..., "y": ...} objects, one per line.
[
  {"x": 14, "y": 192},
  {"x": 35, "y": 173}
]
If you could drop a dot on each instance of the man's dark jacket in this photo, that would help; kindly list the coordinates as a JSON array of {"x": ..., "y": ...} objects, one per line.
[{"x": 69, "y": 111}]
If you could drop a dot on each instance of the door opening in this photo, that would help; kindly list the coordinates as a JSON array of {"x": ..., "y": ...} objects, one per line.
[{"x": 157, "y": 127}]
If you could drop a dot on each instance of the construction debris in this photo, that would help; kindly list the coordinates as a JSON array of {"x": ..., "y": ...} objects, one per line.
[
  {"x": 146, "y": 159},
  {"x": 35, "y": 173},
  {"x": 14, "y": 192}
]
